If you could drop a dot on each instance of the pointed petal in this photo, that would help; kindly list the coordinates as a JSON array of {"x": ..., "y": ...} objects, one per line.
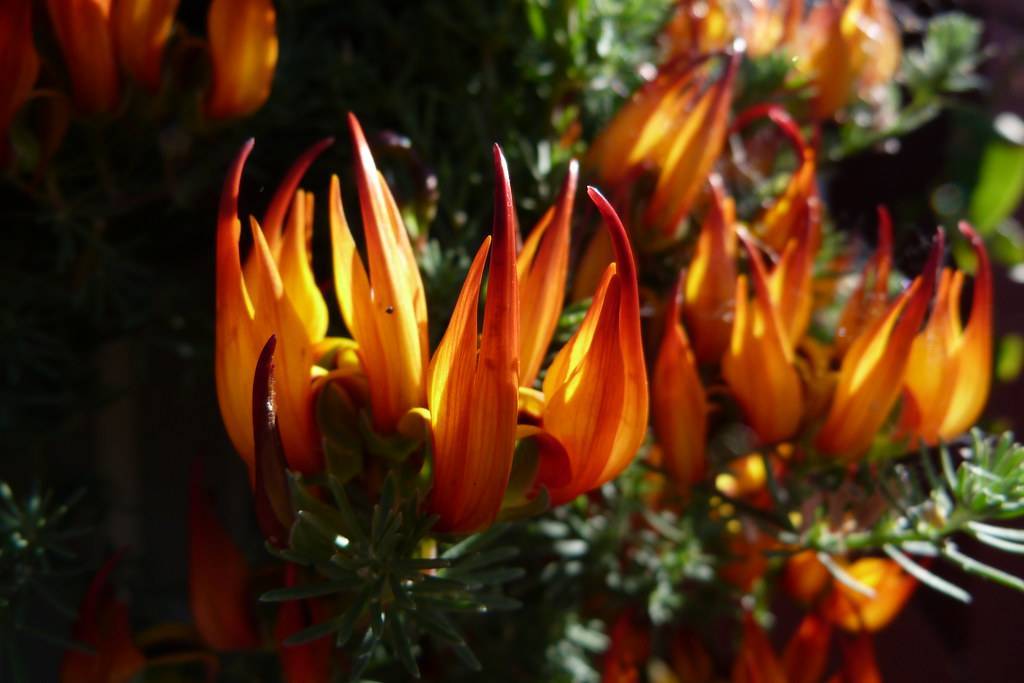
[
  {"x": 235, "y": 349},
  {"x": 711, "y": 278},
  {"x": 758, "y": 367},
  {"x": 397, "y": 305},
  {"x": 474, "y": 396},
  {"x": 297, "y": 272},
  {"x": 872, "y": 371},
  {"x": 974, "y": 371},
  {"x": 273, "y": 219},
  {"x": 691, "y": 152},
  {"x": 680, "y": 405},
  {"x": 790, "y": 284},
  {"x": 543, "y": 266},
  {"x": 275, "y": 316},
  {"x": 596, "y": 388}
]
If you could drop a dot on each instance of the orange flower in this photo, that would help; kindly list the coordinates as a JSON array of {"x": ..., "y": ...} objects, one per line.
[
  {"x": 84, "y": 32},
  {"x": 243, "y": 53},
  {"x": 758, "y": 366},
  {"x": 218, "y": 577},
  {"x": 673, "y": 128},
  {"x": 756, "y": 661},
  {"x": 680, "y": 407},
  {"x": 595, "y": 391},
  {"x": 804, "y": 577},
  {"x": 276, "y": 295},
  {"x": 950, "y": 368},
  {"x": 853, "y": 610},
  {"x": 806, "y": 653},
  {"x": 871, "y": 373},
  {"x": 18, "y": 54},
  {"x": 699, "y": 27},
  {"x": 846, "y": 47},
  {"x": 542, "y": 267},
  {"x": 103, "y": 626},
  {"x": 141, "y": 29},
  {"x": 711, "y": 278},
  {"x": 385, "y": 310},
  {"x": 473, "y": 388}
]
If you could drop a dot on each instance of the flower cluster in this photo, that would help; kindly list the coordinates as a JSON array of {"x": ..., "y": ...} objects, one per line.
[
  {"x": 474, "y": 397},
  {"x": 106, "y": 43}
]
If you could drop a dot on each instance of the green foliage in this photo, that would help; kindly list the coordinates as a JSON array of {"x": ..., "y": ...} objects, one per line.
[{"x": 35, "y": 556}]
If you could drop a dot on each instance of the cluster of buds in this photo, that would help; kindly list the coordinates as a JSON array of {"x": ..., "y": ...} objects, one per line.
[
  {"x": 472, "y": 400},
  {"x": 105, "y": 41},
  {"x": 843, "y": 48}
]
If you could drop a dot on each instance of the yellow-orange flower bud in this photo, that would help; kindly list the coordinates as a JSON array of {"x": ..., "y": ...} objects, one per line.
[
  {"x": 845, "y": 47},
  {"x": 680, "y": 406},
  {"x": 854, "y": 610},
  {"x": 596, "y": 387},
  {"x": 141, "y": 29},
  {"x": 243, "y": 54},
  {"x": 474, "y": 386},
  {"x": 542, "y": 267},
  {"x": 272, "y": 297},
  {"x": 871, "y": 374},
  {"x": 21, "y": 64},
  {"x": 674, "y": 128},
  {"x": 950, "y": 368},
  {"x": 758, "y": 366},
  {"x": 84, "y": 32},
  {"x": 711, "y": 278},
  {"x": 384, "y": 307}
]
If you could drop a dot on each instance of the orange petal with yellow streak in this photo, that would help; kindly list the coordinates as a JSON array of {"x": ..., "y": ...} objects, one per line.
[
  {"x": 274, "y": 315},
  {"x": 711, "y": 278},
  {"x": 974, "y": 371},
  {"x": 758, "y": 367},
  {"x": 680, "y": 407},
  {"x": 296, "y": 270},
  {"x": 473, "y": 393},
  {"x": 596, "y": 387},
  {"x": 542, "y": 267},
  {"x": 394, "y": 304},
  {"x": 236, "y": 347},
  {"x": 687, "y": 156},
  {"x": 853, "y": 611},
  {"x": 871, "y": 374},
  {"x": 242, "y": 35},
  {"x": 141, "y": 29}
]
